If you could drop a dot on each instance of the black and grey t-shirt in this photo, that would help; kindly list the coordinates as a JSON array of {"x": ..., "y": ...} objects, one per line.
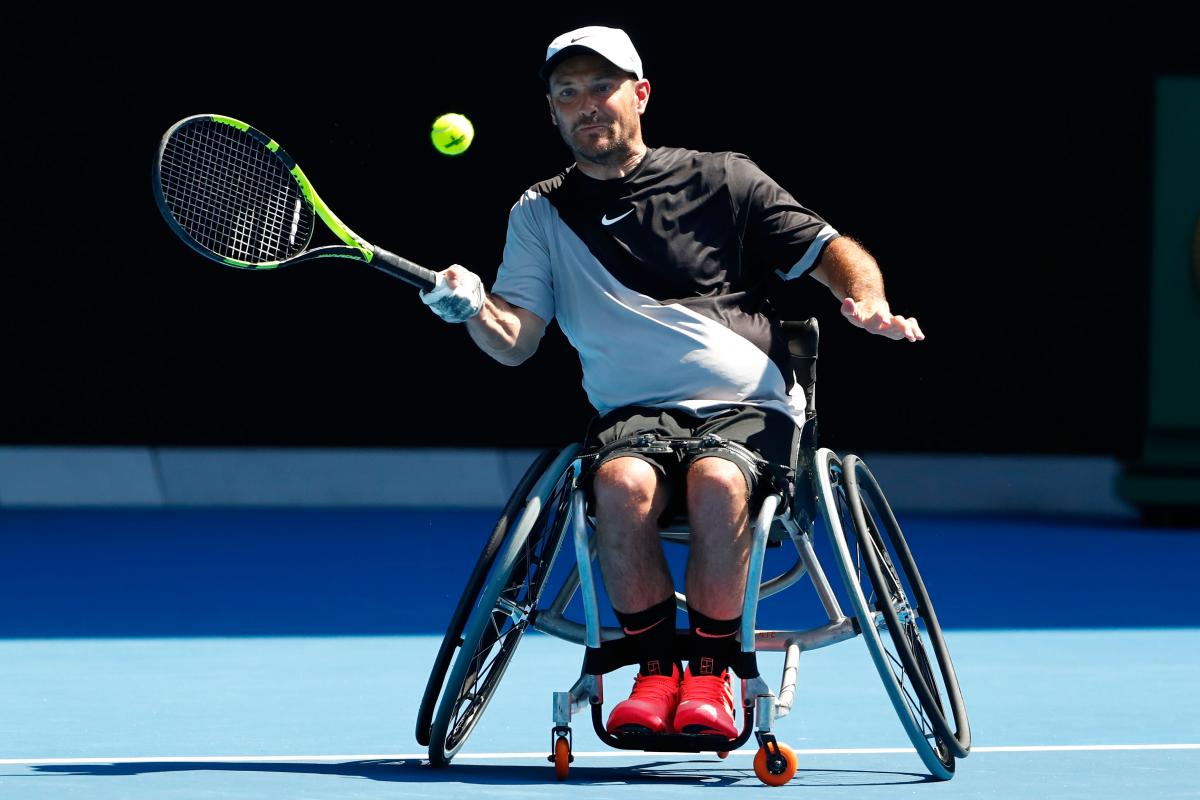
[{"x": 659, "y": 279}]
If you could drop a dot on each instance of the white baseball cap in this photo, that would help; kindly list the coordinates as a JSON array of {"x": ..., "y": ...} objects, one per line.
[{"x": 612, "y": 44}]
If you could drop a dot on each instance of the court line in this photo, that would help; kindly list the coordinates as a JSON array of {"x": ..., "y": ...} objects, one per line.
[{"x": 840, "y": 751}]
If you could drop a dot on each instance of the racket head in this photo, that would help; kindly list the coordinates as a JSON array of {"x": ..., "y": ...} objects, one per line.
[{"x": 232, "y": 194}]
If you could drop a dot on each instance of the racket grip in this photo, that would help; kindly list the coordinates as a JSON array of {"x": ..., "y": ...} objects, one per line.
[{"x": 402, "y": 268}]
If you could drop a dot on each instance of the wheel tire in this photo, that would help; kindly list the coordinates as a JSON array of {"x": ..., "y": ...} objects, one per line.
[
  {"x": 470, "y": 595},
  {"x": 496, "y": 622},
  {"x": 901, "y": 657}
]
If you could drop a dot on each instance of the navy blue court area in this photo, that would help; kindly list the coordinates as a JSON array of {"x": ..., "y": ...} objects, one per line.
[{"x": 254, "y": 654}]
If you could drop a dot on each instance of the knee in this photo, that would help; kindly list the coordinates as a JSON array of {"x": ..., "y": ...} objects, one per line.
[
  {"x": 716, "y": 480},
  {"x": 625, "y": 482}
]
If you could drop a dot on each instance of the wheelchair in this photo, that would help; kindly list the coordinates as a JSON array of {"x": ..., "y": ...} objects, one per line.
[{"x": 890, "y": 606}]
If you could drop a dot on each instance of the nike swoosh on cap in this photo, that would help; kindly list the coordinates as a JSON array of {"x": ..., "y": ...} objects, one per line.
[{"x": 604, "y": 220}]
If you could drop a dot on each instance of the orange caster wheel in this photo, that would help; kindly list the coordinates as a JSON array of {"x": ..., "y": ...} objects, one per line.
[
  {"x": 562, "y": 758},
  {"x": 775, "y": 763}
]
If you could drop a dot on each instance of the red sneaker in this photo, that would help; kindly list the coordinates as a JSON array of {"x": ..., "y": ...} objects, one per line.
[
  {"x": 706, "y": 705},
  {"x": 650, "y": 707}
]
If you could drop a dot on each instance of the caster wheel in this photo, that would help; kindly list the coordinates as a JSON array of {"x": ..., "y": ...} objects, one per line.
[
  {"x": 562, "y": 758},
  {"x": 775, "y": 777}
]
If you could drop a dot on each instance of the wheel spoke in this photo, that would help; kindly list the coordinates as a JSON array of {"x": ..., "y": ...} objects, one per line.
[
  {"x": 916, "y": 710},
  {"x": 479, "y": 683},
  {"x": 900, "y": 605}
]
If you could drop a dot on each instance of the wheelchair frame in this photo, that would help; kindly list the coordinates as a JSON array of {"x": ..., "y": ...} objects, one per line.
[{"x": 878, "y": 571}]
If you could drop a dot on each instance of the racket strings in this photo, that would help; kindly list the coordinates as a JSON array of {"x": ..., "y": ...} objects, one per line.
[{"x": 232, "y": 195}]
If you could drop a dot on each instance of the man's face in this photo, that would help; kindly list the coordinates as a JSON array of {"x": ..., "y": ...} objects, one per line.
[{"x": 597, "y": 108}]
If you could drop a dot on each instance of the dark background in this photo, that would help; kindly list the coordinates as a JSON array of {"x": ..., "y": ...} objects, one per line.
[{"x": 997, "y": 161}]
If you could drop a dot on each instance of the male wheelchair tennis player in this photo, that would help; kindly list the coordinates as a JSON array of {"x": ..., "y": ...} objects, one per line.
[{"x": 890, "y": 607}]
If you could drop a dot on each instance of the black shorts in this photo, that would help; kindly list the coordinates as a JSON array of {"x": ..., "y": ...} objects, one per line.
[{"x": 771, "y": 434}]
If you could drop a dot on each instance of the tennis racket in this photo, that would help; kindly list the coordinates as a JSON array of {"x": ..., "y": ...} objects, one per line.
[{"x": 235, "y": 196}]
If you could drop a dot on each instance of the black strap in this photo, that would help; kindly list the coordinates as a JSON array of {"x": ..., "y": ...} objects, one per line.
[
  {"x": 616, "y": 653},
  {"x": 781, "y": 476}
]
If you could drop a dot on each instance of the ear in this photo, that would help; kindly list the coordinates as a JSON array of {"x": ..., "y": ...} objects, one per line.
[
  {"x": 641, "y": 91},
  {"x": 553, "y": 118}
]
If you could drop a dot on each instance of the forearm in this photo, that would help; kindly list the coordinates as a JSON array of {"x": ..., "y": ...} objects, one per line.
[
  {"x": 508, "y": 333},
  {"x": 497, "y": 330},
  {"x": 850, "y": 271},
  {"x": 853, "y": 276}
]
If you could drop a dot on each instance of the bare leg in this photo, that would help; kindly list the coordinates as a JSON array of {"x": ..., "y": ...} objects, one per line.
[
  {"x": 629, "y": 499},
  {"x": 718, "y": 513}
]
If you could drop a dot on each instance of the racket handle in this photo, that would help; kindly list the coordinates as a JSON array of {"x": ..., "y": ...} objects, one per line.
[{"x": 403, "y": 269}]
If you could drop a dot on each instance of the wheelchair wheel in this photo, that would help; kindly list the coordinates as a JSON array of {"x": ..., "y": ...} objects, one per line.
[
  {"x": 453, "y": 637},
  {"x": 897, "y": 619},
  {"x": 499, "y": 617}
]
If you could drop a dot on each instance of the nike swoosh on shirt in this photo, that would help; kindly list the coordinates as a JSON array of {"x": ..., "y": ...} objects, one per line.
[
  {"x": 604, "y": 220},
  {"x": 713, "y": 635},
  {"x": 640, "y": 630}
]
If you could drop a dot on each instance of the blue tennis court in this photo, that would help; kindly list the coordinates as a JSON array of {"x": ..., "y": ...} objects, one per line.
[{"x": 230, "y": 654}]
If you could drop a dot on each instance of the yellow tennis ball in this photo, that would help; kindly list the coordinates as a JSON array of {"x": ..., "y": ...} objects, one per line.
[{"x": 452, "y": 134}]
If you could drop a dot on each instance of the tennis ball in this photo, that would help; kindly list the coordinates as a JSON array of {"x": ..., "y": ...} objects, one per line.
[{"x": 452, "y": 134}]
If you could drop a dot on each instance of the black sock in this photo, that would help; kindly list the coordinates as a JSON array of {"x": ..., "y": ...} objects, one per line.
[
  {"x": 653, "y": 635},
  {"x": 712, "y": 643}
]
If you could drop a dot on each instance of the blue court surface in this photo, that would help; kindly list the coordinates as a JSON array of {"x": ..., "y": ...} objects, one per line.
[{"x": 254, "y": 654}]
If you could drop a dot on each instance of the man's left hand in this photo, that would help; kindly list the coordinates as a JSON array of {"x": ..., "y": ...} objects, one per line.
[{"x": 874, "y": 316}]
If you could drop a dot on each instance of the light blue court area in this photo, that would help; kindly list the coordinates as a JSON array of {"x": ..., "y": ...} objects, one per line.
[
  {"x": 333, "y": 717},
  {"x": 208, "y": 654}
]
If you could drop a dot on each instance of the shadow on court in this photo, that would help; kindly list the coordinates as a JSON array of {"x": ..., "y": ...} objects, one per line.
[{"x": 681, "y": 773}]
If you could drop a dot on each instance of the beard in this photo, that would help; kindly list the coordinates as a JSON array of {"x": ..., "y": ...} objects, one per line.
[{"x": 612, "y": 148}]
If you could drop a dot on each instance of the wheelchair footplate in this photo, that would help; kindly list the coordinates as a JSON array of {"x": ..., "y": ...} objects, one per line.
[
  {"x": 673, "y": 742},
  {"x": 618, "y": 653}
]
